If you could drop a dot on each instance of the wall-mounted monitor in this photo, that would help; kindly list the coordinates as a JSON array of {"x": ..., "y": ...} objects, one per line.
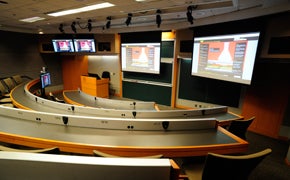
[
  {"x": 84, "y": 45},
  {"x": 63, "y": 45},
  {"x": 141, "y": 57},
  {"x": 45, "y": 80},
  {"x": 225, "y": 57}
]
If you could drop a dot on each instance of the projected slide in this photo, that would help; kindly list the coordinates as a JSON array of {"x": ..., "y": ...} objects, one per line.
[
  {"x": 228, "y": 57},
  {"x": 141, "y": 57}
]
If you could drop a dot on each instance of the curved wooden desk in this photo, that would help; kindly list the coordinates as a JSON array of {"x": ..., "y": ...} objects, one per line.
[
  {"x": 73, "y": 129},
  {"x": 34, "y": 131},
  {"x": 26, "y": 100},
  {"x": 77, "y": 97}
]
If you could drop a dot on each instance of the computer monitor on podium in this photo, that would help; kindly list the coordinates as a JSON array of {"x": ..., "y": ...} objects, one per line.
[{"x": 45, "y": 81}]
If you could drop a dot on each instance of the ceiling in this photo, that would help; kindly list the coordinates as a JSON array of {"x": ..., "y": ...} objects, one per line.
[{"x": 173, "y": 14}]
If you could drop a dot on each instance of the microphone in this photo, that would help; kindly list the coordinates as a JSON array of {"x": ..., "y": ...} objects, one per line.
[
  {"x": 165, "y": 125},
  {"x": 134, "y": 114},
  {"x": 65, "y": 120}
]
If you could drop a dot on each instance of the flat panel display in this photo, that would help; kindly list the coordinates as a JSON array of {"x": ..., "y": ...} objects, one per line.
[
  {"x": 63, "y": 45},
  {"x": 84, "y": 45},
  {"x": 45, "y": 80}
]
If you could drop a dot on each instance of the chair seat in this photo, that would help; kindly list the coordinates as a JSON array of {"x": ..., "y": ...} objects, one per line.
[
  {"x": 102, "y": 154},
  {"x": 5, "y": 100},
  {"x": 52, "y": 150},
  {"x": 7, "y": 105}
]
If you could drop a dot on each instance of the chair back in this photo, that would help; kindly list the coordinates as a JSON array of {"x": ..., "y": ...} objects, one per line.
[
  {"x": 106, "y": 74},
  {"x": 240, "y": 127},
  {"x": 17, "y": 79},
  {"x": 229, "y": 167},
  {"x": 9, "y": 83},
  {"x": 3, "y": 89}
]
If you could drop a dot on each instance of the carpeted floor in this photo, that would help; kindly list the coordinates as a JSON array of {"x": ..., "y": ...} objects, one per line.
[{"x": 272, "y": 167}]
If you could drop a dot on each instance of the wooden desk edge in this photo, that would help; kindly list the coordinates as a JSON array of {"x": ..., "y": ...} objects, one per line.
[{"x": 132, "y": 151}]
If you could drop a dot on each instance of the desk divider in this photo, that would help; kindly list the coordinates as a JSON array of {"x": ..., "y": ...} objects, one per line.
[
  {"x": 109, "y": 123},
  {"x": 15, "y": 165}
]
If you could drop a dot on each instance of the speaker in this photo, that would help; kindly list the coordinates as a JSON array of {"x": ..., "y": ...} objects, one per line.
[
  {"x": 104, "y": 46},
  {"x": 186, "y": 46},
  {"x": 279, "y": 45},
  {"x": 47, "y": 47}
]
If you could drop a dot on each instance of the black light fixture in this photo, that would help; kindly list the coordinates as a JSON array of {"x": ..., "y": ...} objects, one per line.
[
  {"x": 158, "y": 17},
  {"x": 89, "y": 25},
  {"x": 108, "y": 24},
  {"x": 60, "y": 28},
  {"x": 129, "y": 18},
  {"x": 189, "y": 14},
  {"x": 73, "y": 27}
]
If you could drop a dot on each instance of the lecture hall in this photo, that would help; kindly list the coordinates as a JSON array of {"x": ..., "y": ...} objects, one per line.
[{"x": 145, "y": 89}]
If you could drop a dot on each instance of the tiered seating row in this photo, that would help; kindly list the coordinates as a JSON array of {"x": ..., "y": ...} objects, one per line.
[
  {"x": 27, "y": 100},
  {"x": 78, "y": 97},
  {"x": 7, "y": 84}
]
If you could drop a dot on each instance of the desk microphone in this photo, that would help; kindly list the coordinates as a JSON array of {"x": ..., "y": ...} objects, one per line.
[
  {"x": 65, "y": 120},
  {"x": 134, "y": 114},
  {"x": 165, "y": 125}
]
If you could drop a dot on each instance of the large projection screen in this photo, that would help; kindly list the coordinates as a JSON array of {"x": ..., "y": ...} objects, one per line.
[
  {"x": 141, "y": 57},
  {"x": 225, "y": 57}
]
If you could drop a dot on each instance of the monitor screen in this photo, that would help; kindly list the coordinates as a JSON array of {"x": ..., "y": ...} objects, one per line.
[
  {"x": 45, "y": 80},
  {"x": 84, "y": 45},
  {"x": 63, "y": 45},
  {"x": 225, "y": 57},
  {"x": 141, "y": 57}
]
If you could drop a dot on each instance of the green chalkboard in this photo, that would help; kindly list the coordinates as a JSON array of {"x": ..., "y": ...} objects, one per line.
[
  {"x": 206, "y": 90},
  {"x": 150, "y": 92},
  {"x": 165, "y": 75},
  {"x": 147, "y": 92},
  {"x": 167, "y": 49}
]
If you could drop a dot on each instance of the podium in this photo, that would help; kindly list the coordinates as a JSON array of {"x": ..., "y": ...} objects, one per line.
[{"x": 95, "y": 87}]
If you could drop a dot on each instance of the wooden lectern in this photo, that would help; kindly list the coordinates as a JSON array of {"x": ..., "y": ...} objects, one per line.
[{"x": 95, "y": 87}]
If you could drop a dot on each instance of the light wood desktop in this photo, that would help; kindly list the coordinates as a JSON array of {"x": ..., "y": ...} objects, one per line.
[{"x": 95, "y": 87}]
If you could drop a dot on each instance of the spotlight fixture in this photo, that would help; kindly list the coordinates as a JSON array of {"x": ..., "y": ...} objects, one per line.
[
  {"x": 73, "y": 27},
  {"x": 60, "y": 28},
  {"x": 158, "y": 18},
  {"x": 108, "y": 24},
  {"x": 129, "y": 18},
  {"x": 189, "y": 14},
  {"x": 89, "y": 25}
]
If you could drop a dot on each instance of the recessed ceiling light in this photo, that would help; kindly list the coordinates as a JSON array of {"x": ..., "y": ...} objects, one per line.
[
  {"x": 82, "y": 9},
  {"x": 32, "y": 19}
]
